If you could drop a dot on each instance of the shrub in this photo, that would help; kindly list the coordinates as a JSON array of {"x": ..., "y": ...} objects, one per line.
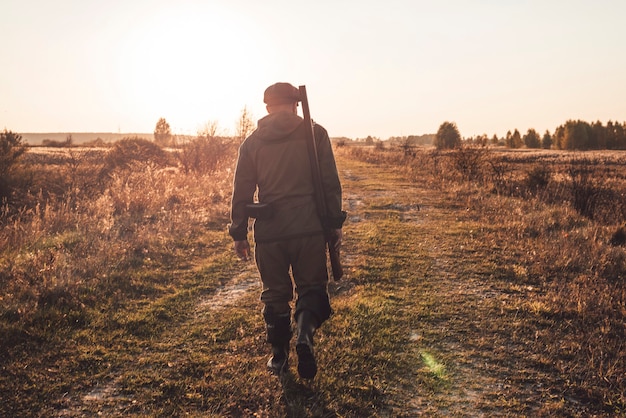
[
  {"x": 500, "y": 172},
  {"x": 204, "y": 155},
  {"x": 129, "y": 151},
  {"x": 469, "y": 162},
  {"x": 587, "y": 190},
  {"x": 538, "y": 177}
]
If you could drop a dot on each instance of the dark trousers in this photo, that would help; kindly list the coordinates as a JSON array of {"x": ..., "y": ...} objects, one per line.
[{"x": 297, "y": 264}]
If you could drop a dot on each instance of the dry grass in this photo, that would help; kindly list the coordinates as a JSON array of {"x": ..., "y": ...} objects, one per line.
[
  {"x": 468, "y": 292},
  {"x": 64, "y": 242},
  {"x": 554, "y": 225}
]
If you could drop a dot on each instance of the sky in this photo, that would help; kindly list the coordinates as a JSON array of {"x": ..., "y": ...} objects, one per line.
[{"x": 372, "y": 68}]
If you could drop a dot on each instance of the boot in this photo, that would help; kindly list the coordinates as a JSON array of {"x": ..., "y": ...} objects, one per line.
[
  {"x": 278, "y": 329},
  {"x": 278, "y": 363},
  {"x": 307, "y": 367}
]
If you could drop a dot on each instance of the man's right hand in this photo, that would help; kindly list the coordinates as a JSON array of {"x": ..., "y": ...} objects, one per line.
[
  {"x": 336, "y": 236},
  {"x": 242, "y": 249}
]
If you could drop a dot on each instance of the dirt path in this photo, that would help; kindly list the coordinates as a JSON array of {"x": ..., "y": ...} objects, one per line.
[
  {"x": 444, "y": 294},
  {"x": 461, "y": 327},
  {"x": 473, "y": 331}
]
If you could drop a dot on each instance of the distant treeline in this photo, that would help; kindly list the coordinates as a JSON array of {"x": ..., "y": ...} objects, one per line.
[
  {"x": 412, "y": 140},
  {"x": 572, "y": 135},
  {"x": 582, "y": 135},
  {"x": 63, "y": 139},
  {"x": 426, "y": 139}
]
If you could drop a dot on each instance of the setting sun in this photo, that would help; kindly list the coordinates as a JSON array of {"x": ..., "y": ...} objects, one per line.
[{"x": 188, "y": 66}]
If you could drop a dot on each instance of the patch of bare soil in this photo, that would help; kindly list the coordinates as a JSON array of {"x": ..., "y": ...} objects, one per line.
[
  {"x": 230, "y": 293},
  {"x": 107, "y": 397}
]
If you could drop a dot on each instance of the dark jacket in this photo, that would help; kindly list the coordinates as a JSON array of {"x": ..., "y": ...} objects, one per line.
[{"x": 274, "y": 162}]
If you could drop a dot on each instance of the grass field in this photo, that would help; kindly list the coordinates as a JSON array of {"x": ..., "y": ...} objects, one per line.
[{"x": 476, "y": 285}]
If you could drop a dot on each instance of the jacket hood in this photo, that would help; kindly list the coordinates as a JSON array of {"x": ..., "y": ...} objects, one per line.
[{"x": 277, "y": 126}]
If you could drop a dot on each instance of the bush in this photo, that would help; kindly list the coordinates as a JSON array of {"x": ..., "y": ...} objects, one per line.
[
  {"x": 587, "y": 189},
  {"x": 129, "y": 151},
  {"x": 538, "y": 177},
  {"x": 469, "y": 162},
  {"x": 204, "y": 155}
]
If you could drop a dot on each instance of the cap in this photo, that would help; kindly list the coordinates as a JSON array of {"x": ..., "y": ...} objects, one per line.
[{"x": 281, "y": 93}]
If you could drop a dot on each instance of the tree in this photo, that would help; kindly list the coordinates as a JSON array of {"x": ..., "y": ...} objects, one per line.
[
  {"x": 599, "y": 135},
  {"x": 546, "y": 141},
  {"x": 209, "y": 130},
  {"x": 577, "y": 135},
  {"x": 615, "y": 135},
  {"x": 514, "y": 140},
  {"x": 163, "y": 133},
  {"x": 245, "y": 124},
  {"x": 620, "y": 134},
  {"x": 480, "y": 140},
  {"x": 610, "y": 134},
  {"x": 557, "y": 138},
  {"x": 11, "y": 149},
  {"x": 531, "y": 139},
  {"x": 448, "y": 136}
]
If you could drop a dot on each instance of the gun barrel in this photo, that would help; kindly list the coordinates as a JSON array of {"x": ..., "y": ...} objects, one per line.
[{"x": 320, "y": 200}]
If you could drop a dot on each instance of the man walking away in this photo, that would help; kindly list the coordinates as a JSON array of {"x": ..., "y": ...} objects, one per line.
[{"x": 290, "y": 252}]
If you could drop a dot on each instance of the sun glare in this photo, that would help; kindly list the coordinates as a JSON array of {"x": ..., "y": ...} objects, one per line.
[{"x": 189, "y": 66}]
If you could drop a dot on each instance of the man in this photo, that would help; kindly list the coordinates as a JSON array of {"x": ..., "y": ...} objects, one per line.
[{"x": 274, "y": 165}]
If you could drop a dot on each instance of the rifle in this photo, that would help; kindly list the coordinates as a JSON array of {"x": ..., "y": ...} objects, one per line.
[{"x": 320, "y": 199}]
